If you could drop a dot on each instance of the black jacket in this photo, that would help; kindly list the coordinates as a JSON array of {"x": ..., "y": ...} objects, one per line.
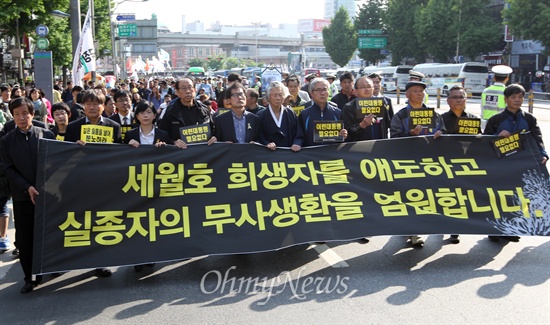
[
  {"x": 19, "y": 157},
  {"x": 72, "y": 133},
  {"x": 160, "y": 135},
  {"x": 177, "y": 115}
]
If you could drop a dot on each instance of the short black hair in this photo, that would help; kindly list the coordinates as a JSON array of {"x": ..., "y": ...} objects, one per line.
[
  {"x": 236, "y": 85},
  {"x": 21, "y": 101},
  {"x": 346, "y": 75},
  {"x": 121, "y": 94},
  {"x": 93, "y": 95},
  {"x": 142, "y": 106},
  {"x": 514, "y": 89},
  {"x": 234, "y": 77},
  {"x": 61, "y": 106}
]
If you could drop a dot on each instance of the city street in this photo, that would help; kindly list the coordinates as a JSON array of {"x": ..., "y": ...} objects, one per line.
[{"x": 383, "y": 281}]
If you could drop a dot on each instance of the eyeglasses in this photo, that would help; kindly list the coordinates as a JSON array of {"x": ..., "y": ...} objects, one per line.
[
  {"x": 187, "y": 88},
  {"x": 457, "y": 97},
  {"x": 321, "y": 90},
  {"x": 123, "y": 101},
  {"x": 237, "y": 95}
]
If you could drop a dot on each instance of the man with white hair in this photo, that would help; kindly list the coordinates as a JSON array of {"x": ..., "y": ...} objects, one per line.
[{"x": 320, "y": 110}]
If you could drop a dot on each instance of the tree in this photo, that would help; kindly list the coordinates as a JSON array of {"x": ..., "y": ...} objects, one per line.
[
  {"x": 400, "y": 20},
  {"x": 215, "y": 62},
  {"x": 529, "y": 19},
  {"x": 197, "y": 62},
  {"x": 447, "y": 25},
  {"x": 339, "y": 38},
  {"x": 479, "y": 32},
  {"x": 433, "y": 29},
  {"x": 231, "y": 63},
  {"x": 28, "y": 14},
  {"x": 370, "y": 17}
]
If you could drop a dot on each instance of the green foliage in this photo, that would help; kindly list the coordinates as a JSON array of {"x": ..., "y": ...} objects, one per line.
[
  {"x": 445, "y": 23},
  {"x": 339, "y": 38},
  {"x": 215, "y": 62},
  {"x": 479, "y": 32},
  {"x": 31, "y": 13},
  {"x": 400, "y": 20},
  {"x": 529, "y": 18},
  {"x": 197, "y": 62},
  {"x": 433, "y": 29},
  {"x": 231, "y": 63},
  {"x": 370, "y": 17}
]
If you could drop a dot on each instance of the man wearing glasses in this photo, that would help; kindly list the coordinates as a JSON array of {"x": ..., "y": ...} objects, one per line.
[
  {"x": 367, "y": 127},
  {"x": 238, "y": 125},
  {"x": 457, "y": 108},
  {"x": 185, "y": 111},
  {"x": 320, "y": 110},
  {"x": 124, "y": 117}
]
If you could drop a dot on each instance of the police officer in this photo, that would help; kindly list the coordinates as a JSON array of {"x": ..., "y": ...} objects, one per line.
[
  {"x": 333, "y": 88},
  {"x": 492, "y": 98}
]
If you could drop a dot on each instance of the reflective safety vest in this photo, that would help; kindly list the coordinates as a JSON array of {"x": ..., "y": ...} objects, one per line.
[
  {"x": 492, "y": 101},
  {"x": 333, "y": 90}
]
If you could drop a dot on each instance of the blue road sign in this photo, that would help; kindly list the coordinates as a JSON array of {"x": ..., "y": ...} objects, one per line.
[{"x": 126, "y": 17}]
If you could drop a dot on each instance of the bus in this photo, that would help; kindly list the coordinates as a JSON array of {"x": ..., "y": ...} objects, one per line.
[
  {"x": 220, "y": 73},
  {"x": 392, "y": 76},
  {"x": 196, "y": 72},
  {"x": 472, "y": 76}
]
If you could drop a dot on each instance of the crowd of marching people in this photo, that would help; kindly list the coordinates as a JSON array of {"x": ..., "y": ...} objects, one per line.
[{"x": 151, "y": 112}]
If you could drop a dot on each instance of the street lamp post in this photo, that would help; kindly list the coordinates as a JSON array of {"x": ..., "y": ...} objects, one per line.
[
  {"x": 74, "y": 12},
  {"x": 113, "y": 45}
]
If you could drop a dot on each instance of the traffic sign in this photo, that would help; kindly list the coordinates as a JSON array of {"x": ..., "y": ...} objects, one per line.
[
  {"x": 370, "y": 32},
  {"x": 42, "y": 30},
  {"x": 125, "y": 17},
  {"x": 372, "y": 42},
  {"x": 127, "y": 30},
  {"x": 42, "y": 43}
]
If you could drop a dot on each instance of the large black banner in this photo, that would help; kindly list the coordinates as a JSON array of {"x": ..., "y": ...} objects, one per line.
[{"x": 109, "y": 204}]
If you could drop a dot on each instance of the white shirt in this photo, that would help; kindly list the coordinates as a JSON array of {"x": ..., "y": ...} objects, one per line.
[
  {"x": 279, "y": 121},
  {"x": 146, "y": 138}
]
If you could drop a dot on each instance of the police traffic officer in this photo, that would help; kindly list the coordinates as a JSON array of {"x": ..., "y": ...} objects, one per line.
[{"x": 492, "y": 98}]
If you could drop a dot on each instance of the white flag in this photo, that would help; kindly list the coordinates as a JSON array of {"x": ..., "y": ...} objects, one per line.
[{"x": 84, "y": 59}]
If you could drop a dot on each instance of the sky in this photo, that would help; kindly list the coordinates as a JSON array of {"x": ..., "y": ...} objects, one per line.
[{"x": 236, "y": 12}]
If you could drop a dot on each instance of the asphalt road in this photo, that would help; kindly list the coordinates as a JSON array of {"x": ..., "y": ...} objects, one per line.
[{"x": 384, "y": 281}]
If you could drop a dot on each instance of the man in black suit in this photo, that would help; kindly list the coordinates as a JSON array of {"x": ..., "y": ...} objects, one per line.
[
  {"x": 124, "y": 117},
  {"x": 94, "y": 104},
  {"x": 18, "y": 154},
  {"x": 239, "y": 125}
]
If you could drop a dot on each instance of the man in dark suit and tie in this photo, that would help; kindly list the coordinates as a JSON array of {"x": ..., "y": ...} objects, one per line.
[
  {"x": 94, "y": 104},
  {"x": 124, "y": 117},
  {"x": 239, "y": 125}
]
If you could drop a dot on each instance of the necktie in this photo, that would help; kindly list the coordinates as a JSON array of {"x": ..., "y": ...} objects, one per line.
[{"x": 125, "y": 120}]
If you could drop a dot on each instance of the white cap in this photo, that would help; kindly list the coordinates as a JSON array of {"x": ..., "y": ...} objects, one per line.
[
  {"x": 416, "y": 74},
  {"x": 502, "y": 70}
]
